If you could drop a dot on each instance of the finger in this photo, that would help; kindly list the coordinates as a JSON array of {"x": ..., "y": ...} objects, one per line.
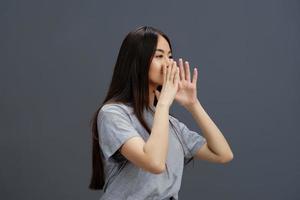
[
  {"x": 171, "y": 76},
  {"x": 195, "y": 76},
  {"x": 164, "y": 73},
  {"x": 181, "y": 69},
  {"x": 187, "y": 71},
  {"x": 157, "y": 94},
  {"x": 174, "y": 70},
  {"x": 168, "y": 70},
  {"x": 176, "y": 78}
]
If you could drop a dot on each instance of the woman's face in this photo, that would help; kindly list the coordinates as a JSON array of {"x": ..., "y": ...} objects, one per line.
[{"x": 160, "y": 59}]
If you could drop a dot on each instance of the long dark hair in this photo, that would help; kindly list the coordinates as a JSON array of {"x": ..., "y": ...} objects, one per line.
[{"x": 129, "y": 85}]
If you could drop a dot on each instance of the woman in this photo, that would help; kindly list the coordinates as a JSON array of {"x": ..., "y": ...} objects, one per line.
[{"x": 136, "y": 154}]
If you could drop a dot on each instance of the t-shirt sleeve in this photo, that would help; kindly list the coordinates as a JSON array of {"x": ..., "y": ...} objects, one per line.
[
  {"x": 192, "y": 141},
  {"x": 114, "y": 129}
]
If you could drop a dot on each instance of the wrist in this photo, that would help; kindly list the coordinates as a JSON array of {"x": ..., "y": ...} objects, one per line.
[
  {"x": 190, "y": 107},
  {"x": 162, "y": 105}
]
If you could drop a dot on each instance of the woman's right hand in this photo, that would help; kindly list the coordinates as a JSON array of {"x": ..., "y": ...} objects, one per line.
[{"x": 170, "y": 84}]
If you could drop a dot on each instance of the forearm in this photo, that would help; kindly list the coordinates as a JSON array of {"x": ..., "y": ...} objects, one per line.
[
  {"x": 215, "y": 139},
  {"x": 157, "y": 144}
]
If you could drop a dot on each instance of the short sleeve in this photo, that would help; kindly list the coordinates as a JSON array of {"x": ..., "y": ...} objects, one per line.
[
  {"x": 192, "y": 141},
  {"x": 114, "y": 129}
]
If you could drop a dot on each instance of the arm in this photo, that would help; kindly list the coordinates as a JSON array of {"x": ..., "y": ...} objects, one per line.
[
  {"x": 150, "y": 156},
  {"x": 157, "y": 145},
  {"x": 216, "y": 149}
]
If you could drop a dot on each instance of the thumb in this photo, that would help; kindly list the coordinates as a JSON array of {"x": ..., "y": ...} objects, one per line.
[{"x": 157, "y": 94}]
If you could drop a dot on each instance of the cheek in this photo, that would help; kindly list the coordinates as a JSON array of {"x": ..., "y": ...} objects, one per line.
[
  {"x": 158, "y": 71},
  {"x": 155, "y": 69},
  {"x": 155, "y": 74}
]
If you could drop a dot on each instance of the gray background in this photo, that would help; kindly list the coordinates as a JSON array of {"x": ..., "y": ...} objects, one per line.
[{"x": 57, "y": 59}]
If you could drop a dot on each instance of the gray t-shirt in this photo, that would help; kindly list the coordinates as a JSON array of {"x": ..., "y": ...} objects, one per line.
[{"x": 124, "y": 180}]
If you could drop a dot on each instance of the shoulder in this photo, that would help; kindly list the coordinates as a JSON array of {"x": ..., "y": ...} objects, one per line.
[
  {"x": 115, "y": 108},
  {"x": 174, "y": 119}
]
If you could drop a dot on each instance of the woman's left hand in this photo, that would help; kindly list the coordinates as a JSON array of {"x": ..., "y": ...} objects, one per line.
[{"x": 187, "y": 89}]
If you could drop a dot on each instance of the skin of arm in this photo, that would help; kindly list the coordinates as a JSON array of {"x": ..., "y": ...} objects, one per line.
[
  {"x": 216, "y": 149},
  {"x": 157, "y": 144}
]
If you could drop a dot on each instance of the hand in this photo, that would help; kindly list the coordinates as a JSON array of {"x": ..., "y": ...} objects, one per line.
[
  {"x": 187, "y": 89},
  {"x": 170, "y": 84}
]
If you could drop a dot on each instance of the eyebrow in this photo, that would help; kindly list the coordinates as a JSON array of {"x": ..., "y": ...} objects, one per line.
[{"x": 162, "y": 50}]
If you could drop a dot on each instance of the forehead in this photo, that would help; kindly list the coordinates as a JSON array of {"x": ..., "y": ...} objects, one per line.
[{"x": 163, "y": 44}]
